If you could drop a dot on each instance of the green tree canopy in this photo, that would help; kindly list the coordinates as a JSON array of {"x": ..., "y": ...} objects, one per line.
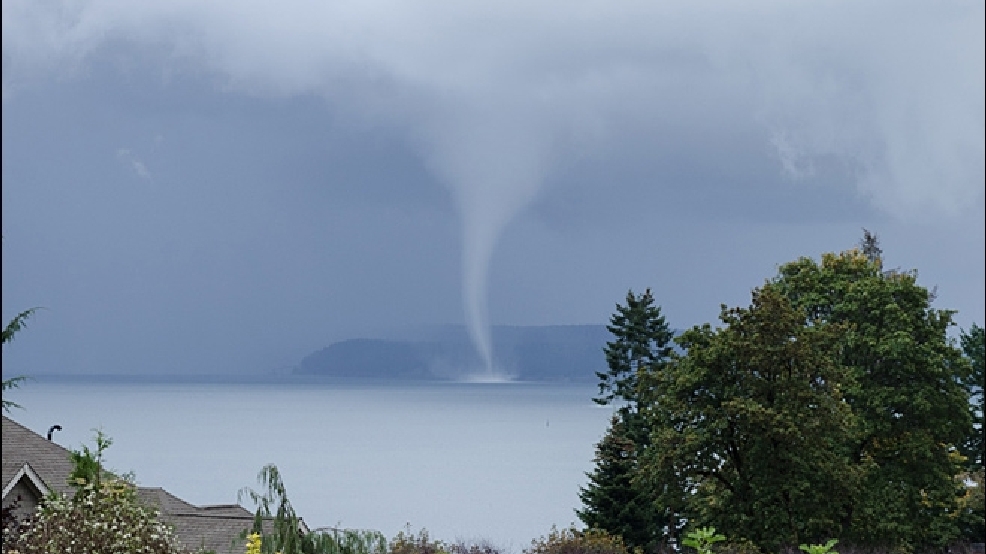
[
  {"x": 907, "y": 396},
  {"x": 831, "y": 407},
  {"x": 750, "y": 427}
]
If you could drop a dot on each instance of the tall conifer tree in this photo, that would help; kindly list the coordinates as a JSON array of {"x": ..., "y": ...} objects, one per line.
[
  {"x": 614, "y": 500},
  {"x": 974, "y": 348}
]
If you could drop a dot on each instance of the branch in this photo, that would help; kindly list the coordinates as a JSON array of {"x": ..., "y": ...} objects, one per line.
[{"x": 16, "y": 324}]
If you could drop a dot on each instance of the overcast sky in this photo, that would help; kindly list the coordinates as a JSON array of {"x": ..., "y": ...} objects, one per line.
[{"x": 204, "y": 187}]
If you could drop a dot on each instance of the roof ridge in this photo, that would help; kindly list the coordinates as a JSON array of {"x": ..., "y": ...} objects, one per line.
[
  {"x": 214, "y": 516},
  {"x": 38, "y": 435}
]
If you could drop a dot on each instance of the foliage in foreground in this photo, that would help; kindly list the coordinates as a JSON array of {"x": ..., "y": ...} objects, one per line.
[
  {"x": 612, "y": 499},
  {"x": 9, "y": 330},
  {"x": 834, "y": 405},
  {"x": 280, "y": 530},
  {"x": 703, "y": 539},
  {"x": 573, "y": 541},
  {"x": 407, "y": 542},
  {"x": 104, "y": 516}
]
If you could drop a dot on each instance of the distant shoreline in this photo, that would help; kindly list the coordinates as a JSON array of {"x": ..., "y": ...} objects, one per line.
[{"x": 263, "y": 379}]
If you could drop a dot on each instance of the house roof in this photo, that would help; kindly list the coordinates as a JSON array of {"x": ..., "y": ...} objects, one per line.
[
  {"x": 49, "y": 461},
  {"x": 216, "y": 533},
  {"x": 27, "y": 455},
  {"x": 209, "y": 527}
]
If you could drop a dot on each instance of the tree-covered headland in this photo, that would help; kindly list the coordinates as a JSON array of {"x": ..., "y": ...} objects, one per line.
[{"x": 834, "y": 406}]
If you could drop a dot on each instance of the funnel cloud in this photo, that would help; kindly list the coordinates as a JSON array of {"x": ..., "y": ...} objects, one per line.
[{"x": 494, "y": 169}]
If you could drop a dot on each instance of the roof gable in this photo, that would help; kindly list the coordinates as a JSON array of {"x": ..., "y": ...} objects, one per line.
[
  {"x": 49, "y": 461},
  {"x": 31, "y": 479}
]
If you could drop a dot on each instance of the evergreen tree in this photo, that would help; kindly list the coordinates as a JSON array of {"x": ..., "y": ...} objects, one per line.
[
  {"x": 613, "y": 500},
  {"x": 642, "y": 339},
  {"x": 974, "y": 348},
  {"x": 869, "y": 245},
  {"x": 9, "y": 330}
]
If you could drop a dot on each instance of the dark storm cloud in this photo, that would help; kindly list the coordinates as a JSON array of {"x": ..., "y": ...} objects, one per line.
[{"x": 308, "y": 169}]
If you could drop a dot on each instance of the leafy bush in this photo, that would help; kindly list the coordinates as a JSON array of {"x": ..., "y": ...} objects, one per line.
[
  {"x": 345, "y": 541},
  {"x": 406, "y": 542},
  {"x": 820, "y": 548},
  {"x": 480, "y": 548},
  {"x": 702, "y": 539},
  {"x": 103, "y": 517},
  {"x": 573, "y": 541}
]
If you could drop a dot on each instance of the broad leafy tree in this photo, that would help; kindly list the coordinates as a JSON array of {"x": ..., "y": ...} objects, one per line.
[
  {"x": 907, "y": 398},
  {"x": 834, "y": 406},
  {"x": 750, "y": 427}
]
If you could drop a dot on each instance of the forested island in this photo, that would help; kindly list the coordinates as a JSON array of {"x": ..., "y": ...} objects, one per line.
[{"x": 557, "y": 353}]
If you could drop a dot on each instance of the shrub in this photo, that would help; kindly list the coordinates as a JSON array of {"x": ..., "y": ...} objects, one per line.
[
  {"x": 406, "y": 542},
  {"x": 476, "y": 548},
  {"x": 573, "y": 541},
  {"x": 345, "y": 541},
  {"x": 702, "y": 539},
  {"x": 103, "y": 517}
]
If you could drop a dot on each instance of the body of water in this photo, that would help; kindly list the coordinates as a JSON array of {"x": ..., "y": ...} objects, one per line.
[{"x": 500, "y": 462}]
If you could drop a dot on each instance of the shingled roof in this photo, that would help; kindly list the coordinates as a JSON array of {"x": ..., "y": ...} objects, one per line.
[
  {"x": 209, "y": 527},
  {"x": 27, "y": 455},
  {"x": 48, "y": 460}
]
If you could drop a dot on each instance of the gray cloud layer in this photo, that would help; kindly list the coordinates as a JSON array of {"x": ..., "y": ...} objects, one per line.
[{"x": 720, "y": 117}]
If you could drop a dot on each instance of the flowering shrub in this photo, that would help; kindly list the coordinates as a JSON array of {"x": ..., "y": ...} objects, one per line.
[{"x": 103, "y": 517}]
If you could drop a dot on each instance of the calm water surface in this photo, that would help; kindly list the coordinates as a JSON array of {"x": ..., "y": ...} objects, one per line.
[{"x": 501, "y": 462}]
